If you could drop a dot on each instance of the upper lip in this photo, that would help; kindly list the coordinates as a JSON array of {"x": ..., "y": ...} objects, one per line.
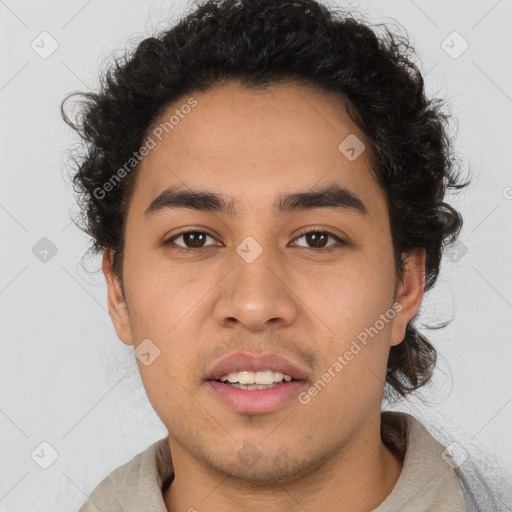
[{"x": 245, "y": 361}]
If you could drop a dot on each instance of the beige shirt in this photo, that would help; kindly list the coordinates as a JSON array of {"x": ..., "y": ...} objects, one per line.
[{"x": 427, "y": 482}]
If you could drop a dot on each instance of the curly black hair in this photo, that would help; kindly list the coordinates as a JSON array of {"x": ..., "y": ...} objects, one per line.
[{"x": 263, "y": 42}]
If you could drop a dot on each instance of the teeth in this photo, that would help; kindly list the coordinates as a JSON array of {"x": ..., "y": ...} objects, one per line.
[
  {"x": 278, "y": 376},
  {"x": 252, "y": 386},
  {"x": 265, "y": 377}
]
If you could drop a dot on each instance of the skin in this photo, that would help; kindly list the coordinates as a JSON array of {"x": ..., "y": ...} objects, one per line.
[{"x": 306, "y": 306}]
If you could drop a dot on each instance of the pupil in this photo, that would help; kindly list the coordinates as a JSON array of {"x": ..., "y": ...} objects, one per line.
[
  {"x": 312, "y": 236},
  {"x": 192, "y": 234}
]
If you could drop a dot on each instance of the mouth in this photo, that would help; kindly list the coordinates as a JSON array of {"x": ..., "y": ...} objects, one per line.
[
  {"x": 250, "y": 383},
  {"x": 265, "y": 379},
  {"x": 255, "y": 399}
]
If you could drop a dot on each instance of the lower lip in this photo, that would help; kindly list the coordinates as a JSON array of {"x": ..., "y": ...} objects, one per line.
[{"x": 256, "y": 401}]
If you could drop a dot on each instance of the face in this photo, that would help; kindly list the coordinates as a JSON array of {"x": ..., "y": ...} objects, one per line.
[{"x": 251, "y": 279}]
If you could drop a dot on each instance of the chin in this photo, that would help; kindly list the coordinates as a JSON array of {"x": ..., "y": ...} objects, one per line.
[{"x": 250, "y": 467}]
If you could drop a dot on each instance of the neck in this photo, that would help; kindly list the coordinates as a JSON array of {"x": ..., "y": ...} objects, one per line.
[{"x": 357, "y": 478}]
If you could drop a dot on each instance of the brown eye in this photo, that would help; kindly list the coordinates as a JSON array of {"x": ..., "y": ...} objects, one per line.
[
  {"x": 194, "y": 239},
  {"x": 191, "y": 239},
  {"x": 318, "y": 239}
]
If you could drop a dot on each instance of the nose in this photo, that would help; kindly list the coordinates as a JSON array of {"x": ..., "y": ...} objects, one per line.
[{"x": 256, "y": 295}]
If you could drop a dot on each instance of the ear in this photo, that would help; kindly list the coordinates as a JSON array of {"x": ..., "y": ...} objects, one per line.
[
  {"x": 117, "y": 308},
  {"x": 409, "y": 294}
]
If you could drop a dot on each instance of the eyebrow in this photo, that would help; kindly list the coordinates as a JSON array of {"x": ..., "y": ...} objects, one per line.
[{"x": 331, "y": 196}]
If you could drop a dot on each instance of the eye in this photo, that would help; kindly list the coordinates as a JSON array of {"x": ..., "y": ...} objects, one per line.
[
  {"x": 192, "y": 240},
  {"x": 318, "y": 239}
]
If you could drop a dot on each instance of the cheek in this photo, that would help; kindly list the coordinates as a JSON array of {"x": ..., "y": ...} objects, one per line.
[
  {"x": 168, "y": 306},
  {"x": 355, "y": 303},
  {"x": 348, "y": 298},
  {"x": 165, "y": 306},
  {"x": 161, "y": 294}
]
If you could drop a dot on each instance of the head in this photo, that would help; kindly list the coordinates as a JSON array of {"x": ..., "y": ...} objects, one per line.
[{"x": 262, "y": 121}]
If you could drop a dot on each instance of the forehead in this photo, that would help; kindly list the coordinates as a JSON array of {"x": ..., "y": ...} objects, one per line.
[{"x": 255, "y": 145}]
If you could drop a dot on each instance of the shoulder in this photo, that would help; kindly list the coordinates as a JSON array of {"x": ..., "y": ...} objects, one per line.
[
  {"x": 136, "y": 479},
  {"x": 427, "y": 478}
]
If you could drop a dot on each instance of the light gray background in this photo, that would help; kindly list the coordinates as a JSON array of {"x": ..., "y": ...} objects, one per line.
[{"x": 66, "y": 378}]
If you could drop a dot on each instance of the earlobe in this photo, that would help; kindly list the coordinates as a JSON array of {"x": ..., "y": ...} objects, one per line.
[
  {"x": 410, "y": 293},
  {"x": 117, "y": 306}
]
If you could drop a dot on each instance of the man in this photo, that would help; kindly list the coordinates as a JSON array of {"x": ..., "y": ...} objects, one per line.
[{"x": 266, "y": 182}]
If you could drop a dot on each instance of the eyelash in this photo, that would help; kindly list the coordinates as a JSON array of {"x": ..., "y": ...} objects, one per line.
[{"x": 328, "y": 249}]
